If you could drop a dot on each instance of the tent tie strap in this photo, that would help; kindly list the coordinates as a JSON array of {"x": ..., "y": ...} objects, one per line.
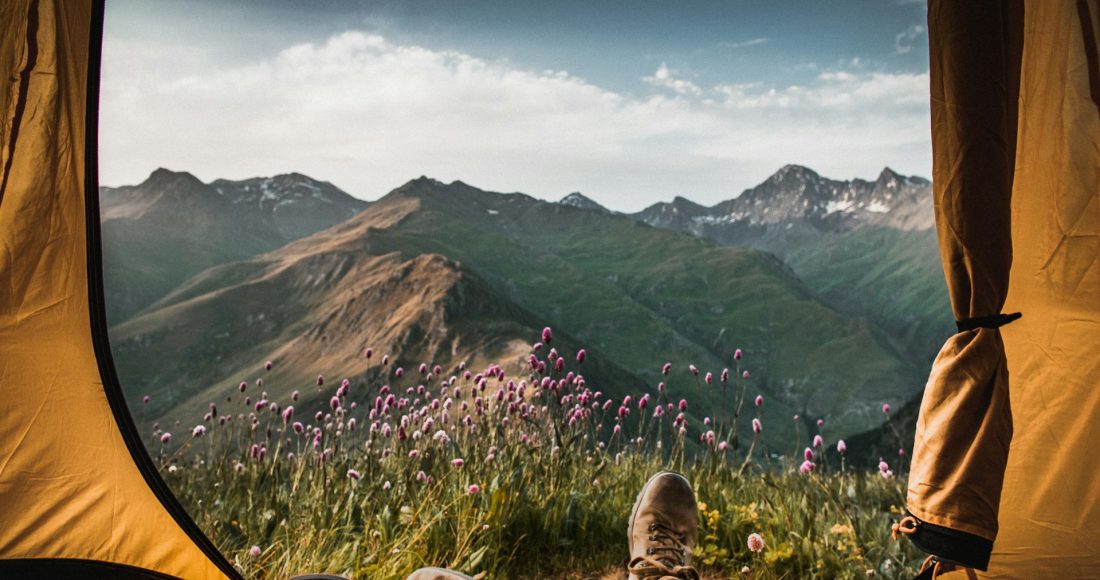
[
  {"x": 993, "y": 322},
  {"x": 933, "y": 567}
]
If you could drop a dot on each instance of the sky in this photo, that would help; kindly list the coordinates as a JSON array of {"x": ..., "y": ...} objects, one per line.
[{"x": 630, "y": 103}]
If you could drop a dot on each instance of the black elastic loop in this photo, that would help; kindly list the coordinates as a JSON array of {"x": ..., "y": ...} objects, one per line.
[{"x": 995, "y": 321}]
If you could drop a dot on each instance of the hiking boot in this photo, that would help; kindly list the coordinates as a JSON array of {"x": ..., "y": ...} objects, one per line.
[
  {"x": 437, "y": 574},
  {"x": 662, "y": 530}
]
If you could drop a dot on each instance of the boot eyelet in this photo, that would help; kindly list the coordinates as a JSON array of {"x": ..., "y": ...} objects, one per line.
[
  {"x": 652, "y": 527},
  {"x": 649, "y": 552},
  {"x": 652, "y": 538}
]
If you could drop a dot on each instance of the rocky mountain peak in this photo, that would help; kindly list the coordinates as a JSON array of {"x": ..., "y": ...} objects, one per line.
[{"x": 579, "y": 200}]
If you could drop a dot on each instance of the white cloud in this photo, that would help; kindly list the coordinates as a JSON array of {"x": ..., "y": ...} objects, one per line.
[
  {"x": 664, "y": 78},
  {"x": 369, "y": 114},
  {"x": 904, "y": 40},
  {"x": 744, "y": 43}
]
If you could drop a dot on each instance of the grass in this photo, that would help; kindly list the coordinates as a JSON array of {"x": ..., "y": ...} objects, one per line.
[{"x": 371, "y": 486}]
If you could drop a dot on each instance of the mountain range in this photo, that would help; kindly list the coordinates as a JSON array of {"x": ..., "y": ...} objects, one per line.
[{"x": 444, "y": 273}]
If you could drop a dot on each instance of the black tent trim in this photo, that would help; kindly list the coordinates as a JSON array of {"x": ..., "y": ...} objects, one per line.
[
  {"x": 100, "y": 339},
  {"x": 53, "y": 568}
]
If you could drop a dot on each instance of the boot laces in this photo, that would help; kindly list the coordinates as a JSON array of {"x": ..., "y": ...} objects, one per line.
[{"x": 664, "y": 557}]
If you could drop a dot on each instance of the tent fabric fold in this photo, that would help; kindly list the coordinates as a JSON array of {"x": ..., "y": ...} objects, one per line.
[
  {"x": 965, "y": 424},
  {"x": 73, "y": 492}
]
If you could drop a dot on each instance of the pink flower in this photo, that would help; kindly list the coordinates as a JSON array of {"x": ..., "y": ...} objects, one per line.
[
  {"x": 709, "y": 378},
  {"x": 474, "y": 489},
  {"x": 255, "y": 551},
  {"x": 756, "y": 542},
  {"x": 660, "y": 387},
  {"x": 806, "y": 468},
  {"x": 737, "y": 354},
  {"x": 369, "y": 353},
  {"x": 334, "y": 403},
  {"x": 886, "y": 408},
  {"x": 414, "y": 454},
  {"x": 458, "y": 462},
  {"x": 756, "y": 426},
  {"x": 745, "y": 375},
  {"x": 693, "y": 369},
  {"x": 796, "y": 418},
  {"x": 165, "y": 438},
  {"x": 421, "y": 477},
  {"x": 725, "y": 375},
  {"x": 294, "y": 396},
  {"x": 288, "y": 413},
  {"x": 198, "y": 431},
  {"x": 268, "y": 365},
  {"x": 423, "y": 369},
  {"x": 298, "y": 427},
  {"x": 841, "y": 447},
  {"x": 320, "y": 380},
  {"x": 666, "y": 369},
  {"x": 352, "y": 474},
  {"x": 385, "y": 359},
  {"x": 399, "y": 372},
  {"x": 683, "y": 406},
  {"x": 821, "y": 422},
  {"x": 759, "y": 402},
  {"x": 145, "y": 399},
  {"x": 808, "y": 454},
  {"x": 901, "y": 452},
  {"x": 722, "y": 446},
  {"x": 581, "y": 354},
  {"x": 883, "y": 466},
  {"x": 818, "y": 442},
  {"x": 241, "y": 387}
]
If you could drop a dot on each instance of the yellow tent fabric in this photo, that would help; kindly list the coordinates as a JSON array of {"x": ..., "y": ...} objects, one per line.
[
  {"x": 69, "y": 484},
  {"x": 1050, "y": 497}
]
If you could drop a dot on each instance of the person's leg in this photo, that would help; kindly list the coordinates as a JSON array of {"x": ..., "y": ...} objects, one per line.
[
  {"x": 437, "y": 574},
  {"x": 662, "y": 529}
]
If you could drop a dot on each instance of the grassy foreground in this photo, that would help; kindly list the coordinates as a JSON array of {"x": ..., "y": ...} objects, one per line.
[{"x": 530, "y": 476}]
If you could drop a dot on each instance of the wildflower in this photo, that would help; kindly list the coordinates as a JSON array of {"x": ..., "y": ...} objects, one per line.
[
  {"x": 722, "y": 446},
  {"x": 547, "y": 335},
  {"x": 618, "y": 429},
  {"x": 298, "y": 427},
  {"x": 288, "y": 413},
  {"x": 757, "y": 427},
  {"x": 818, "y": 442},
  {"x": 808, "y": 454},
  {"x": 474, "y": 489},
  {"x": 796, "y": 418},
  {"x": 737, "y": 354},
  {"x": 745, "y": 570},
  {"x": 334, "y": 403},
  {"x": 268, "y": 365},
  {"x": 241, "y": 387},
  {"x": 165, "y": 438},
  {"x": 255, "y": 551},
  {"x": 581, "y": 354},
  {"x": 821, "y": 422},
  {"x": 421, "y": 477},
  {"x": 660, "y": 387},
  {"x": 693, "y": 369},
  {"x": 399, "y": 372},
  {"x": 387, "y": 486},
  {"x": 683, "y": 406},
  {"x": 386, "y": 359},
  {"x": 759, "y": 402},
  {"x": 901, "y": 452},
  {"x": 756, "y": 542},
  {"x": 198, "y": 431},
  {"x": 709, "y": 378},
  {"x": 294, "y": 396},
  {"x": 883, "y": 466},
  {"x": 458, "y": 462},
  {"x": 353, "y": 474},
  {"x": 666, "y": 369},
  {"x": 145, "y": 399},
  {"x": 806, "y": 468},
  {"x": 745, "y": 375},
  {"x": 887, "y": 475},
  {"x": 369, "y": 353},
  {"x": 886, "y": 408},
  {"x": 320, "y": 380},
  {"x": 725, "y": 375},
  {"x": 841, "y": 447}
]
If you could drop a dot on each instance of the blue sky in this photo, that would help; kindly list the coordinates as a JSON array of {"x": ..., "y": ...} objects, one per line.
[{"x": 628, "y": 102}]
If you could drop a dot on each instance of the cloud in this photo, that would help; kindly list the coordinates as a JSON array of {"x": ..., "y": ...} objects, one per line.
[
  {"x": 664, "y": 78},
  {"x": 903, "y": 41},
  {"x": 368, "y": 114},
  {"x": 743, "y": 43}
]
